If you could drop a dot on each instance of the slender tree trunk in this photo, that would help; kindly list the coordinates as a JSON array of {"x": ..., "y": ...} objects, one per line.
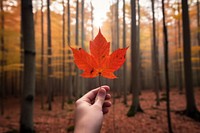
[
  {"x": 198, "y": 36},
  {"x": 2, "y": 85},
  {"x": 21, "y": 55},
  {"x": 117, "y": 23},
  {"x": 82, "y": 85},
  {"x": 176, "y": 65},
  {"x": 69, "y": 52},
  {"x": 179, "y": 55},
  {"x": 77, "y": 23},
  {"x": 82, "y": 25},
  {"x": 198, "y": 22},
  {"x": 49, "y": 52},
  {"x": 63, "y": 40},
  {"x": 155, "y": 58},
  {"x": 135, "y": 65},
  {"x": 176, "y": 56},
  {"x": 116, "y": 44},
  {"x": 53, "y": 81},
  {"x": 157, "y": 50},
  {"x": 42, "y": 56},
  {"x": 190, "y": 100},
  {"x": 140, "y": 82},
  {"x": 6, "y": 91},
  {"x": 12, "y": 84},
  {"x": 124, "y": 45},
  {"x": 77, "y": 82},
  {"x": 68, "y": 23},
  {"x": 28, "y": 94},
  {"x": 112, "y": 27},
  {"x": 61, "y": 69},
  {"x": 166, "y": 68},
  {"x": 113, "y": 45},
  {"x": 15, "y": 83}
]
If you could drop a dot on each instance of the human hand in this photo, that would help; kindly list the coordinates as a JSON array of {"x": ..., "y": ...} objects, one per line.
[{"x": 90, "y": 109}]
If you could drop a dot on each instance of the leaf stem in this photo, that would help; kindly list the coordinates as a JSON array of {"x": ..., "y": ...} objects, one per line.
[{"x": 100, "y": 80}]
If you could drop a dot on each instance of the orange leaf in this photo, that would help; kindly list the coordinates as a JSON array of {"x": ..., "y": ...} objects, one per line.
[{"x": 99, "y": 62}]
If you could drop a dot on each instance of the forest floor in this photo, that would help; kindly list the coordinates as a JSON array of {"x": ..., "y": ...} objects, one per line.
[{"x": 153, "y": 120}]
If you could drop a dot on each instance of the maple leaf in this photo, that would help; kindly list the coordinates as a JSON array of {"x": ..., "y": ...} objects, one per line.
[{"x": 99, "y": 62}]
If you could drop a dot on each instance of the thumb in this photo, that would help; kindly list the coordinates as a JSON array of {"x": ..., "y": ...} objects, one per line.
[{"x": 100, "y": 98}]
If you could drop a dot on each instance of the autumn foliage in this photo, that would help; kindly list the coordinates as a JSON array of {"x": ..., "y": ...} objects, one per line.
[{"x": 99, "y": 62}]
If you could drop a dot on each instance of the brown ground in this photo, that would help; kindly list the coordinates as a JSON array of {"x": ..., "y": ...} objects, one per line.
[{"x": 153, "y": 120}]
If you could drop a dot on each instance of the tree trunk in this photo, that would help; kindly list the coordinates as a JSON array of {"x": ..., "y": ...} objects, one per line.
[
  {"x": 166, "y": 68},
  {"x": 28, "y": 94},
  {"x": 113, "y": 42},
  {"x": 49, "y": 52},
  {"x": 69, "y": 52},
  {"x": 179, "y": 54},
  {"x": 117, "y": 24},
  {"x": 77, "y": 23},
  {"x": 157, "y": 50},
  {"x": 176, "y": 65},
  {"x": 82, "y": 85},
  {"x": 155, "y": 58},
  {"x": 198, "y": 22},
  {"x": 124, "y": 45},
  {"x": 82, "y": 25},
  {"x": 2, "y": 85},
  {"x": 68, "y": 23},
  {"x": 77, "y": 81},
  {"x": 198, "y": 36},
  {"x": 190, "y": 100},
  {"x": 116, "y": 44},
  {"x": 63, "y": 41},
  {"x": 135, "y": 65},
  {"x": 42, "y": 57},
  {"x": 21, "y": 56},
  {"x": 176, "y": 56},
  {"x": 140, "y": 74}
]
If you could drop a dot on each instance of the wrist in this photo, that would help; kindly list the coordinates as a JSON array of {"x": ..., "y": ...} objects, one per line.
[{"x": 86, "y": 127}]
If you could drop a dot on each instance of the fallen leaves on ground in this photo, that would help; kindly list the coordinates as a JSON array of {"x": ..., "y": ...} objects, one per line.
[{"x": 153, "y": 120}]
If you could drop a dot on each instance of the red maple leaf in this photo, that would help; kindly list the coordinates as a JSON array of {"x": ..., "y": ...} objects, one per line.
[{"x": 99, "y": 62}]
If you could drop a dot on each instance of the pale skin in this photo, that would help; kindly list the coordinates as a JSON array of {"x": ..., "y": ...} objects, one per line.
[{"x": 90, "y": 110}]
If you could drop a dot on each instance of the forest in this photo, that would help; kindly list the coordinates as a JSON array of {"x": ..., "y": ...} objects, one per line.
[{"x": 157, "y": 89}]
